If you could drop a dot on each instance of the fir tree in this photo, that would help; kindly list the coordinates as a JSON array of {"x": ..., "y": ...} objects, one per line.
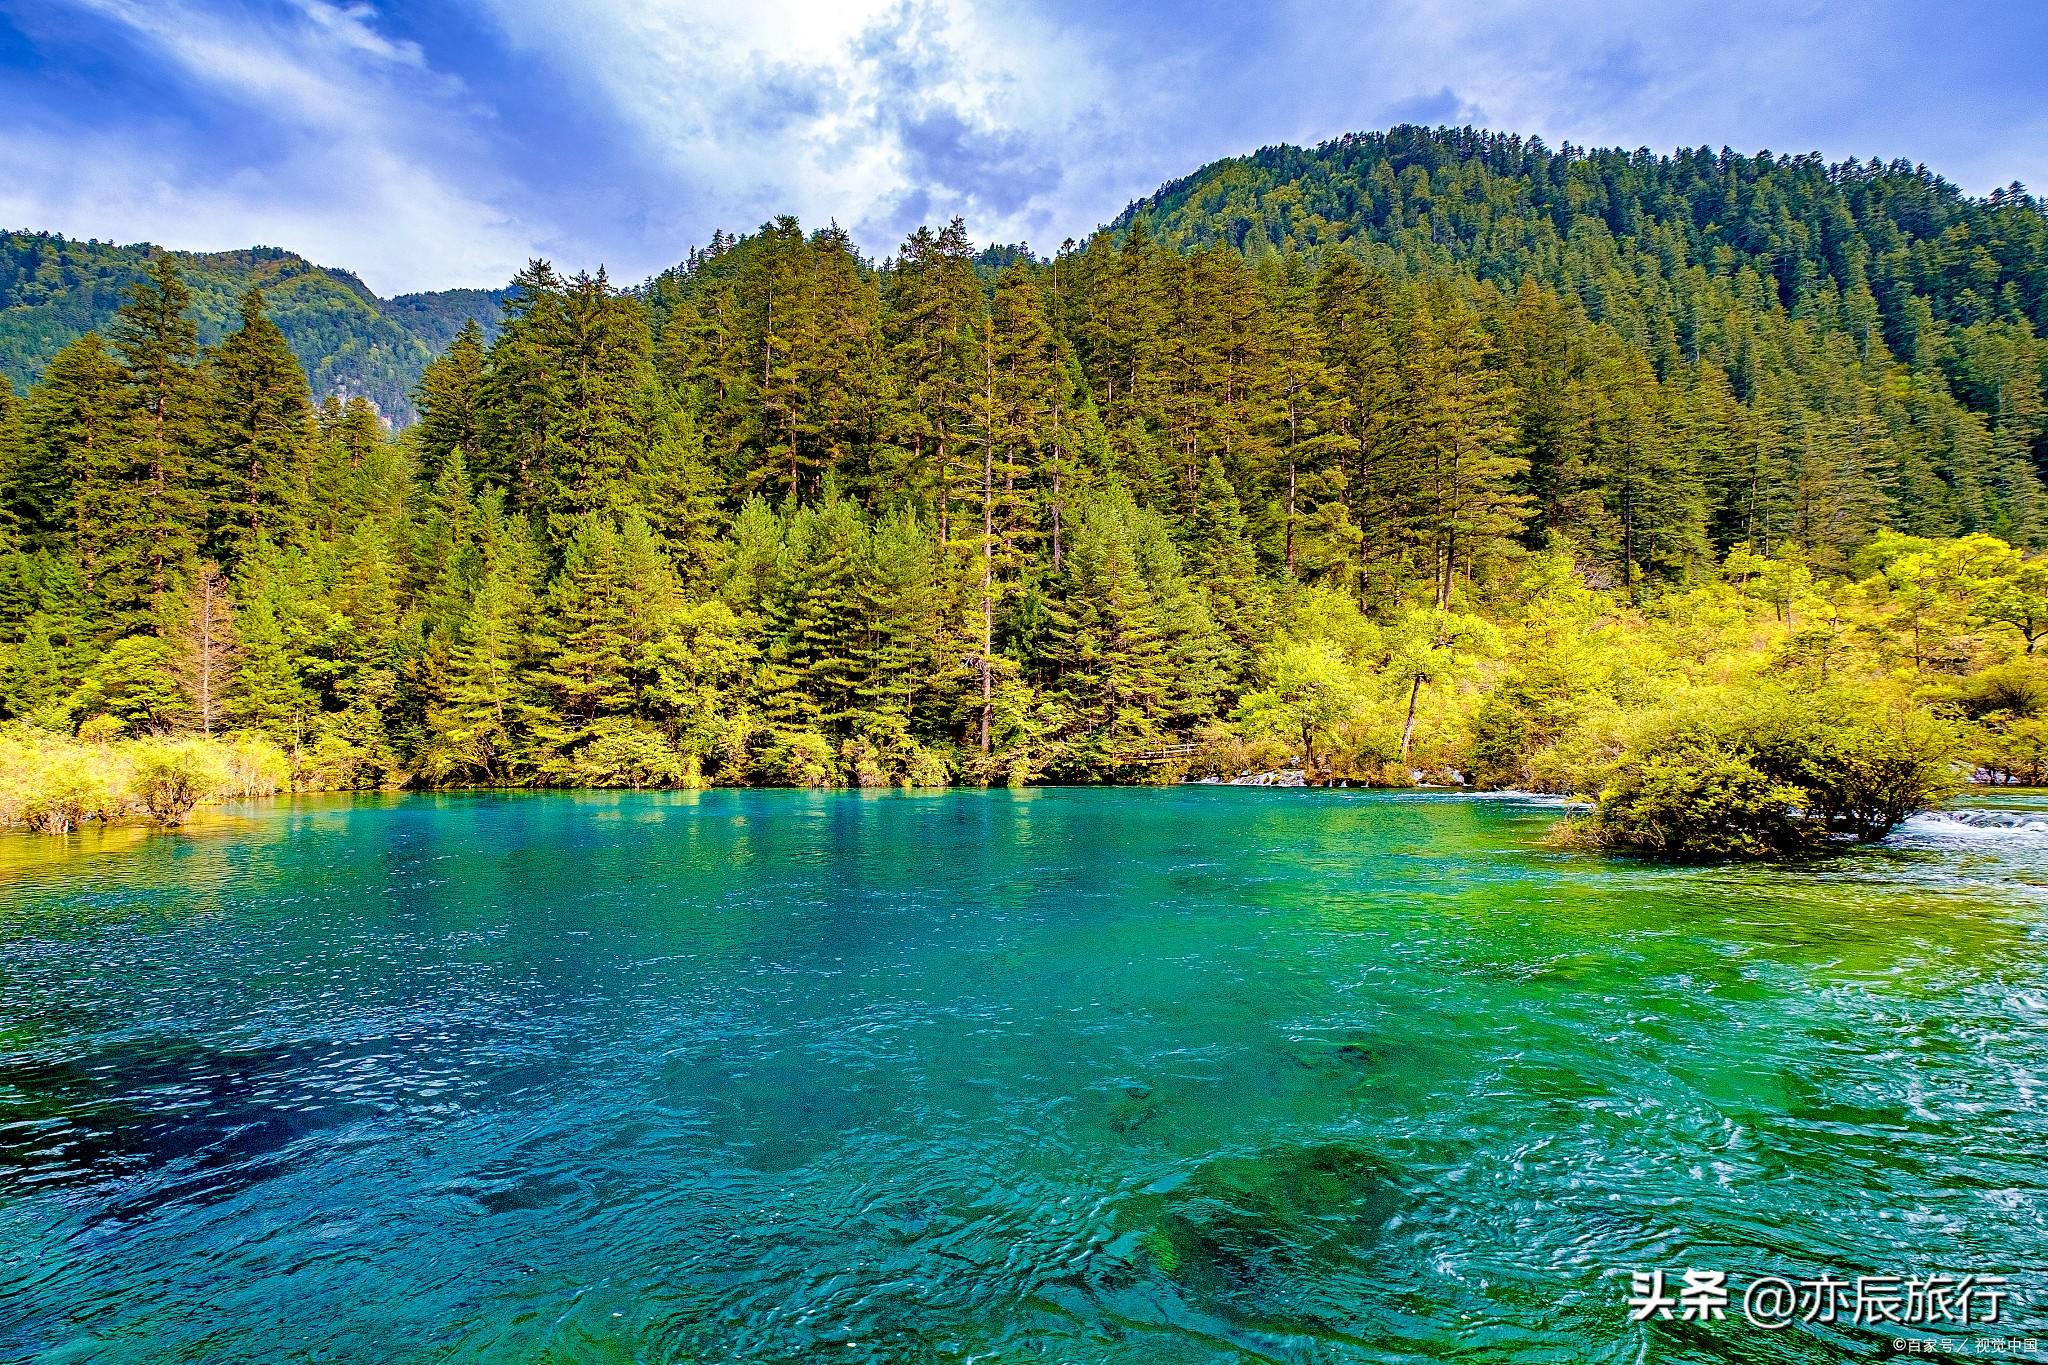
[
  {"x": 69, "y": 490},
  {"x": 156, "y": 498},
  {"x": 259, "y": 429},
  {"x": 450, "y": 398},
  {"x": 199, "y": 627}
]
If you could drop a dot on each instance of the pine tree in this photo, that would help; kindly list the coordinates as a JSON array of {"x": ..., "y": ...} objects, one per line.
[
  {"x": 585, "y": 653},
  {"x": 1305, "y": 405},
  {"x": 450, "y": 398},
  {"x": 596, "y": 437},
  {"x": 523, "y": 387},
  {"x": 1369, "y": 507},
  {"x": 483, "y": 725},
  {"x": 902, "y": 601},
  {"x": 934, "y": 315},
  {"x": 199, "y": 627},
  {"x": 676, "y": 488},
  {"x": 13, "y": 460},
  {"x": 266, "y": 692},
  {"x": 1650, "y": 513},
  {"x": 156, "y": 500},
  {"x": 1024, "y": 377},
  {"x": 810, "y": 674},
  {"x": 346, "y": 467},
  {"x": 32, "y": 680},
  {"x": 1107, "y": 655},
  {"x": 1544, "y": 359},
  {"x": 76, "y": 439},
  {"x": 259, "y": 429},
  {"x": 1463, "y": 446},
  {"x": 1221, "y": 557}
]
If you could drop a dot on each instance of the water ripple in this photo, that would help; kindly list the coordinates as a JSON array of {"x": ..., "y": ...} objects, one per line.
[{"x": 1185, "y": 1076}]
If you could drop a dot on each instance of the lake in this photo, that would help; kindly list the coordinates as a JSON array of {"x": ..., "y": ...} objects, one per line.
[{"x": 1175, "y": 1075}]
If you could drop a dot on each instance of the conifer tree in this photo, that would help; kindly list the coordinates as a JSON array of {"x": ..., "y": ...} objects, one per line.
[
  {"x": 1023, "y": 378},
  {"x": 934, "y": 320},
  {"x": 32, "y": 680},
  {"x": 76, "y": 447},
  {"x": 1107, "y": 656},
  {"x": 810, "y": 664},
  {"x": 1369, "y": 507},
  {"x": 13, "y": 459},
  {"x": 199, "y": 627},
  {"x": 1650, "y": 513},
  {"x": 903, "y": 601},
  {"x": 1305, "y": 401},
  {"x": 156, "y": 500},
  {"x": 267, "y": 691},
  {"x": 523, "y": 387},
  {"x": 483, "y": 725},
  {"x": 585, "y": 652},
  {"x": 1463, "y": 446},
  {"x": 1223, "y": 562},
  {"x": 450, "y": 398},
  {"x": 605, "y": 388},
  {"x": 258, "y": 430},
  {"x": 677, "y": 490}
]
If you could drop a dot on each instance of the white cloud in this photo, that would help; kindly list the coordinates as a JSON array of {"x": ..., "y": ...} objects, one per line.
[
  {"x": 625, "y": 130},
  {"x": 869, "y": 111},
  {"x": 393, "y": 223},
  {"x": 352, "y": 26},
  {"x": 1789, "y": 75},
  {"x": 367, "y": 159}
]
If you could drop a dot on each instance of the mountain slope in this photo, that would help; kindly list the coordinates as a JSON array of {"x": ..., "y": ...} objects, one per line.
[
  {"x": 53, "y": 290},
  {"x": 1503, "y": 208},
  {"x": 1660, "y": 248}
]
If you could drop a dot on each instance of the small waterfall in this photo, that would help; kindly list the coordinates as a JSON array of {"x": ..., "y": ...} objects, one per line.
[{"x": 1979, "y": 822}]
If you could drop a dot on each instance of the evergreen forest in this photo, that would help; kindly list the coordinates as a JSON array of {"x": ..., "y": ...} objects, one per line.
[{"x": 1426, "y": 455}]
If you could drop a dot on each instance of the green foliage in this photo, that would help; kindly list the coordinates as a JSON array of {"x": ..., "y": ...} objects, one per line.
[
  {"x": 54, "y": 290},
  {"x": 1312, "y": 691},
  {"x": 1774, "y": 773},
  {"x": 620, "y": 752},
  {"x": 1696, "y": 796},
  {"x": 53, "y": 784},
  {"x": 169, "y": 777},
  {"x": 132, "y": 683},
  {"x": 259, "y": 435},
  {"x": 1412, "y": 495}
]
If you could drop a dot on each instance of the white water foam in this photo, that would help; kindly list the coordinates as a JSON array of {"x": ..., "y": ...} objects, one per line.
[{"x": 1976, "y": 824}]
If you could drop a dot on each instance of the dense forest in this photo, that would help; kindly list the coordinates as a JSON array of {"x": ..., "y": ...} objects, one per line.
[
  {"x": 1424, "y": 454},
  {"x": 350, "y": 342}
]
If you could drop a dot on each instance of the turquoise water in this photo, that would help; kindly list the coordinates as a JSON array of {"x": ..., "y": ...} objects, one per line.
[{"x": 1186, "y": 1075}]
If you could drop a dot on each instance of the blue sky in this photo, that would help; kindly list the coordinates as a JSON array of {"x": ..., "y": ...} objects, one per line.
[{"x": 426, "y": 145}]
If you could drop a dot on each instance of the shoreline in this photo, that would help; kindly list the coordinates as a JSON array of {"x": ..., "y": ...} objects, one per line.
[{"x": 213, "y": 812}]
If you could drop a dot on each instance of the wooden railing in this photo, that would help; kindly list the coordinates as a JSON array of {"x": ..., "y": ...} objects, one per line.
[{"x": 1164, "y": 753}]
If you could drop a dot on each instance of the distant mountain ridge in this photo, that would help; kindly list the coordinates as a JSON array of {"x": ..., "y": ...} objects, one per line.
[
  {"x": 1886, "y": 251},
  {"x": 1506, "y": 208},
  {"x": 351, "y": 342}
]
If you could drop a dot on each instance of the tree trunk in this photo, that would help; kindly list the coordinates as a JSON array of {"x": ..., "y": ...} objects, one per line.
[
  {"x": 206, "y": 654},
  {"x": 1408, "y": 726},
  {"x": 1628, "y": 542},
  {"x": 988, "y": 563},
  {"x": 1290, "y": 515},
  {"x": 1059, "y": 455},
  {"x": 945, "y": 471}
]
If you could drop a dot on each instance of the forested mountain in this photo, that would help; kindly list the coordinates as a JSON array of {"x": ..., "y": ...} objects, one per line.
[
  {"x": 350, "y": 342},
  {"x": 1859, "y": 305},
  {"x": 1455, "y": 487}
]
